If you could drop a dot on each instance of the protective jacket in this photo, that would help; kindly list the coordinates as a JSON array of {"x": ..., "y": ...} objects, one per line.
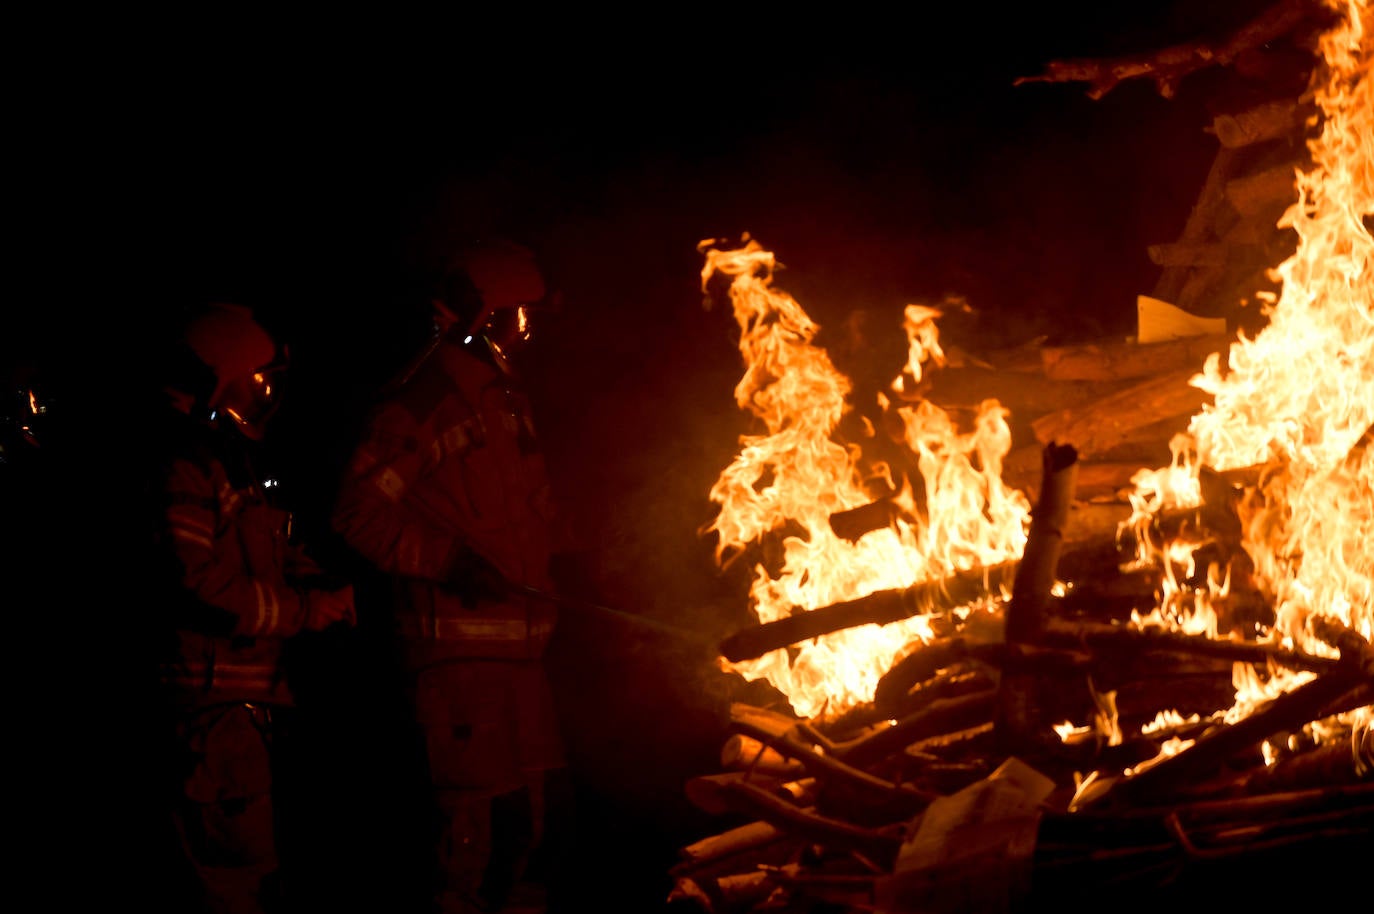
[
  {"x": 450, "y": 467},
  {"x": 243, "y": 580}
]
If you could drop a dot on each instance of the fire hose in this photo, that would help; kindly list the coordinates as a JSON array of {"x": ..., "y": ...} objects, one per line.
[{"x": 620, "y": 615}]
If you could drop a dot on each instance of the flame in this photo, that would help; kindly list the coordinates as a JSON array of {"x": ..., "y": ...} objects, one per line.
[
  {"x": 1298, "y": 398},
  {"x": 788, "y": 479}
]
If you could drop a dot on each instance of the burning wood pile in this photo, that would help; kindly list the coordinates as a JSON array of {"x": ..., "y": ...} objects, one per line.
[{"x": 980, "y": 710}]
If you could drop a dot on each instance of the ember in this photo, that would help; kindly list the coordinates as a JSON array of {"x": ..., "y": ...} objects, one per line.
[{"x": 973, "y": 714}]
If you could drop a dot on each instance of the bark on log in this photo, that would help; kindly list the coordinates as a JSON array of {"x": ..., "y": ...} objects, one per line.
[
  {"x": 1113, "y": 361},
  {"x": 880, "y": 608},
  {"x": 1096, "y": 427}
]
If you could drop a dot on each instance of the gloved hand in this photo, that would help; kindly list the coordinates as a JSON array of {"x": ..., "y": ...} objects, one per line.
[
  {"x": 473, "y": 579},
  {"x": 324, "y": 608}
]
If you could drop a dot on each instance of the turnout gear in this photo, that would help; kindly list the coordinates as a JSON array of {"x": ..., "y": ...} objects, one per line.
[
  {"x": 242, "y": 588},
  {"x": 447, "y": 493}
]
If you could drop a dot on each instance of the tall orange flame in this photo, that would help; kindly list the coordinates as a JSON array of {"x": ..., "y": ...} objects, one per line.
[
  {"x": 791, "y": 477},
  {"x": 1298, "y": 398}
]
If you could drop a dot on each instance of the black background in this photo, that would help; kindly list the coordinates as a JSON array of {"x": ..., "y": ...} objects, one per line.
[{"x": 313, "y": 169}]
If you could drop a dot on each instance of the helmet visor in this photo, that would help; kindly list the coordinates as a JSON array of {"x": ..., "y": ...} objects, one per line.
[{"x": 252, "y": 400}]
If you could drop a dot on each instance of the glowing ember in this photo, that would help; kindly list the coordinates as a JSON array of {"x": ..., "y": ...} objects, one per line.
[{"x": 791, "y": 477}]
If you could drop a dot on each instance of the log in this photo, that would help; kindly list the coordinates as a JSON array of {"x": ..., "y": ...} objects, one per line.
[
  {"x": 896, "y": 696},
  {"x": 1268, "y": 121},
  {"x": 723, "y": 894},
  {"x": 1017, "y": 709},
  {"x": 942, "y": 716},
  {"x": 748, "y": 837},
  {"x": 905, "y": 799},
  {"x": 1201, "y": 220},
  {"x": 878, "y": 844},
  {"x": 745, "y": 753},
  {"x": 854, "y": 523},
  {"x": 1113, "y": 361},
  {"x": 1096, "y": 427},
  {"x": 1272, "y": 189},
  {"x": 1292, "y": 710},
  {"x": 703, "y": 791},
  {"x": 879, "y": 608},
  {"x": 1166, "y": 67},
  {"x": 1182, "y": 254},
  {"x": 1099, "y": 636}
]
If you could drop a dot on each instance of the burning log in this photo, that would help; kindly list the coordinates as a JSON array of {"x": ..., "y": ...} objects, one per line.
[
  {"x": 854, "y": 523},
  {"x": 1117, "y": 637},
  {"x": 1096, "y": 427},
  {"x": 1334, "y": 693},
  {"x": 880, "y": 608},
  {"x": 1112, "y": 361}
]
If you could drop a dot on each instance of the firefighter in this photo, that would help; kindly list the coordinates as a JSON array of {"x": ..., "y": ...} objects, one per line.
[
  {"x": 446, "y": 493},
  {"x": 242, "y": 588}
]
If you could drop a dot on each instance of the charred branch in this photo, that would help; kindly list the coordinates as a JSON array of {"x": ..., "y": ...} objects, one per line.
[
  {"x": 1168, "y": 66},
  {"x": 880, "y": 608}
]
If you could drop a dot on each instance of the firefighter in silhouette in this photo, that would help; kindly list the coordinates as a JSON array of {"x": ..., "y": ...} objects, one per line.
[
  {"x": 241, "y": 589},
  {"x": 447, "y": 494}
]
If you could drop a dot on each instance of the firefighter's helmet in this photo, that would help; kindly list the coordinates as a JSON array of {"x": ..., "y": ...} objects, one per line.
[
  {"x": 247, "y": 366},
  {"x": 494, "y": 290}
]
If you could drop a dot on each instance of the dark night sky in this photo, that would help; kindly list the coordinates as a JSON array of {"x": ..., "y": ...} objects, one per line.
[{"x": 886, "y": 159}]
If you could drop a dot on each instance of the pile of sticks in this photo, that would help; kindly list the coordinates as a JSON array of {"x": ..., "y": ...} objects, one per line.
[{"x": 953, "y": 790}]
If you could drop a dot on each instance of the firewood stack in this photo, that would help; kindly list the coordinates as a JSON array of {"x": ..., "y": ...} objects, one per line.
[
  {"x": 953, "y": 790},
  {"x": 1050, "y": 746}
]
